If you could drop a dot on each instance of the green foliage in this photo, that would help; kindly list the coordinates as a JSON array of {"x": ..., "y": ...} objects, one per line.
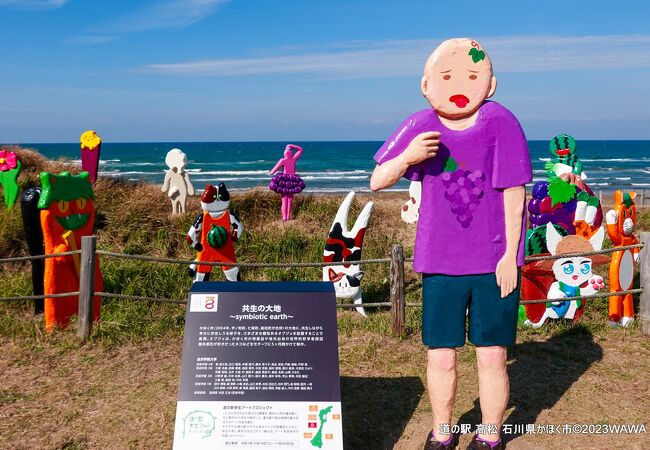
[{"x": 560, "y": 191}]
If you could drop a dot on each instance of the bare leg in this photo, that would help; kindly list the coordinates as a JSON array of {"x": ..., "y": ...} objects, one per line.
[
  {"x": 441, "y": 383},
  {"x": 289, "y": 203},
  {"x": 493, "y": 386},
  {"x": 284, "y": 207}
]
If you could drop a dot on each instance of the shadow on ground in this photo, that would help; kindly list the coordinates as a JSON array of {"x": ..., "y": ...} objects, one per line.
[
  {"x": 376, "y": 410},
  {"x": 540, "y": 373}
]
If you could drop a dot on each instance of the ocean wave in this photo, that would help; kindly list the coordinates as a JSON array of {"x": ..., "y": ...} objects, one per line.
[
  {"x": 101, "y": 161},
  {"x": 117, "y": 173},
  {"x": 615, "y": 160},
  {"x": 266, "y": 172},
  {"x": 137, "y": 164},
  {"x": 603, "y": 159},
  {"x": 267, "y": 179}
]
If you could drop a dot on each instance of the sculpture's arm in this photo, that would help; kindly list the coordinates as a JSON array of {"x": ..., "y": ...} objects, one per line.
[
  {"x": 277, "y": 166},
  {"x": 194, "y": 234},
  {"x": 611, "y": 217},
  {"x": 190, "y": 187},
  {"x": 236, "y": 226},
  {"x": 166, "y": 183},
  {"x": 555, "y": 292},
  {"x": 506, "y": 271},
  {"x": 422, "y": 147}
]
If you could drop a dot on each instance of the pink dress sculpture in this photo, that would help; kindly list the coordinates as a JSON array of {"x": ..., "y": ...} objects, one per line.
[{"x": 287, "y": 183}]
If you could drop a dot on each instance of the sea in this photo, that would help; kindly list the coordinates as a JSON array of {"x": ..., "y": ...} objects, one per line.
[{"x": 333, "y": 167}]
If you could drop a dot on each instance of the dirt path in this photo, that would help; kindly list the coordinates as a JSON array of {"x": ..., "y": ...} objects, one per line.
[{"x": 63, "y": 395}]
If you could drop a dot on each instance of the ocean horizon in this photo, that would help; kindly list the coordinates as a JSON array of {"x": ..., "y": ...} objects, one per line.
[{"x": 333, "y": 166}]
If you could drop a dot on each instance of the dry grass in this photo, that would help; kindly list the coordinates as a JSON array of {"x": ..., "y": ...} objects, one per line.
[{"x": 57, "y": 393}]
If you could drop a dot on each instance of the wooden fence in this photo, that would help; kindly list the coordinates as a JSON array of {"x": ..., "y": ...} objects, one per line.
[{"x": 396, "y": 261}]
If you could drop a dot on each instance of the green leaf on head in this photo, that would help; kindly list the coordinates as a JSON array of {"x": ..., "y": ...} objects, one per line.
[{"x": 476, "y": 54}]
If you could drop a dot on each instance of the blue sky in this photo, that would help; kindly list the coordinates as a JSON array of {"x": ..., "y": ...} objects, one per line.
[{"x": 247, "y": 70}]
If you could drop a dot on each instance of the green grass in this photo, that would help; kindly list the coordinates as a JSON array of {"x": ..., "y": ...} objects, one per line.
[{"x": 134, "y": 219}]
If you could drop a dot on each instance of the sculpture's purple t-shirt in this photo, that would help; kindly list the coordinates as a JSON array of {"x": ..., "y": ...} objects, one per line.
[{"x": 461, "y": 227}]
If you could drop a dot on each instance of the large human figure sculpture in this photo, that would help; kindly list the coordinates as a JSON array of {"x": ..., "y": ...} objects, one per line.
[
  {"x": 472, "y": 158},
  {"x": 620, "y": 226},
  {"x": 67, "y": 214},
  {"x": 213, "y": 233},
  {"x": 287, "y": 183},
  {"x": 177, "y": 182}
]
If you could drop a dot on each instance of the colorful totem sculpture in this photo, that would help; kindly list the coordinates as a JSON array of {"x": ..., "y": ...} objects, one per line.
[
  {"x": 287, "y": 183},
  {"x": 344, "y": 246},
  {"x": 67, "y": 214},
  {"x": 579, "y": 214},
  {"x": 91, "y": 144},
  {"x": 620, "y": 227},
  {"x": 177, "y": 182},
  {"x": 213, "y": 233},
  {"x": 9, "y": 170},
  {"x": 573, "y": 276}
]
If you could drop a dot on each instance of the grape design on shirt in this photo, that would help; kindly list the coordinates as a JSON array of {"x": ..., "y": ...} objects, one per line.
[{"x": 463, "y": 190}]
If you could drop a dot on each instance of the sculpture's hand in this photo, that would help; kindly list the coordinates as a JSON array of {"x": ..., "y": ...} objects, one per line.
[
  {"x": 611, "y": 217},
  {"x": 596, "y": 283},
  {"x": 423, "y": 146},
  {"x": 507, "y": 275}
]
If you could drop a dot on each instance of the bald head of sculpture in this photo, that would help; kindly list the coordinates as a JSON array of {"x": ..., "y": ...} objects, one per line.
[{"x": 458, "y": 78}]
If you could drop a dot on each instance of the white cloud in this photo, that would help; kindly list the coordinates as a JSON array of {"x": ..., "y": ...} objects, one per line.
[
  {"x": 90, "y": 40},
  {"x": 33, "y": 4},
  {"x": 161, "y": 15},
  {"x": 372, "y": 59},
  {"x": 166, "y": 14}
]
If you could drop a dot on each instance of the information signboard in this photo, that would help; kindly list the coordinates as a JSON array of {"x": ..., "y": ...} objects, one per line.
[{"x": 260, "y": 368}]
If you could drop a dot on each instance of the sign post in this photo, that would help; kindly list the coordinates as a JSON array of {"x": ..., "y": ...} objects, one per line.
[{"x": 260, "y": 368}]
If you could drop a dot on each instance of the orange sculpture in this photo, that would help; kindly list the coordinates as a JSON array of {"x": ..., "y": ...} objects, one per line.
[
  {"x": 620, "y": 227},
  {"x": 67, "y": 214}
]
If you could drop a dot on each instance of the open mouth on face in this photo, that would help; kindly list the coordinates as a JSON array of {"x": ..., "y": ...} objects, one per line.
[
  {"x": 459, "y": 100},
  {"x": 73, "y": 221},
  {"x": 563, "y": 151}
]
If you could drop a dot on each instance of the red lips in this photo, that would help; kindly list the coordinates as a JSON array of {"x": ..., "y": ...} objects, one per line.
[
  {"x": 460, "y": 100},
  {"x": 563, "y": 151}
]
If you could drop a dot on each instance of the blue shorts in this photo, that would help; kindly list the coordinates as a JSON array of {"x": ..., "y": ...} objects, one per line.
[{"x": 447, "y": 301}]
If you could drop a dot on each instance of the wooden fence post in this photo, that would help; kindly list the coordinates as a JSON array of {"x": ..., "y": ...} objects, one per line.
[
  {"x": 644, "y": 273},
  {"x": 398, "y": 305},
  {"x": 86, "y": 286}
]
